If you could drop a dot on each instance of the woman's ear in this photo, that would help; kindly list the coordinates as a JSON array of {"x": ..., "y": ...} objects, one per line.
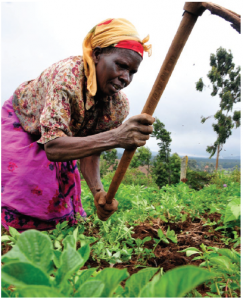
[{"x": 96, "y": 54}]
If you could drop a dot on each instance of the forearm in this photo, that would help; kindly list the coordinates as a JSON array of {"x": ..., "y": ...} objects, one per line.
[
  {"x": 70, "y": 148},
  {"x": 90, "y": 169}
]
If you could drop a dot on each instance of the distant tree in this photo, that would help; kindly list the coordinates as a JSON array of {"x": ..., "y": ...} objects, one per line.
[
  {"x": 108, "y": 159},
  {"x": 135, "y": 163},
  {"x": 226, "y": 82},
  {"x": 141, "y": 157},
  {"x": 161, "y": 134},
  {"x": 192, "y": 164},
  {"x": 175, "y": 168},
  {"x": 166, "y": 168}
]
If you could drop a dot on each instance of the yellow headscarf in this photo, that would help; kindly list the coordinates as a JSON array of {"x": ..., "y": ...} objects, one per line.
[{"x": 105, "y": 34}]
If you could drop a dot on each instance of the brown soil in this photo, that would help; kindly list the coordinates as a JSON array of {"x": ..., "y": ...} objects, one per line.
[{"x": 190, "y": 233}]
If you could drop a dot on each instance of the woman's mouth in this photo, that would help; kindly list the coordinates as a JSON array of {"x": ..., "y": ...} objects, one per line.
[{"x": 116, "y": 87}]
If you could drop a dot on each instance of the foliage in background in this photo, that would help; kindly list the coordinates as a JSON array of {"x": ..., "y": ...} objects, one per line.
[
  {"x": 133, "y": 177},
  {"x": 197, "y": 179},
  {"x": 141, "y": 157},
  {"x": 108, "y": 159},
  {"x": 166, "y": 168},
  {"x": 226, "y": 83}
]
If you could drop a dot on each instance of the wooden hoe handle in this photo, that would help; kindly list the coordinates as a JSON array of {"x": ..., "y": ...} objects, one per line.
[{"x": 192, "y": 11}]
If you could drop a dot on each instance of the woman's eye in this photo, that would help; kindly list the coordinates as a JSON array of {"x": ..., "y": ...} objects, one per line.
[{"x": 122, "y": 66}]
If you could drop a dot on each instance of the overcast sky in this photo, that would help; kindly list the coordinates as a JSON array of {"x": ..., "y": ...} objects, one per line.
[{"x": 35, "y": 35}]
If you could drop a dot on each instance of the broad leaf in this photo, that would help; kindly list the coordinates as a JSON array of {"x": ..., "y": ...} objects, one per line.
[
  {"x": 171, "y": 235},
  {"x": 233, "y": 211},
  {"x": 161, "y": 234},
  {"x": 5, "y": 238},
  {"x": 37, "y": 247},
  {"x": 84, "y": 251},
  {"x": 36, "y": 291},
  {"x": 191, "y": 252},
  {"x": 145, "y": 291},
  {"x": 111, "y": 278},
  {"x": 146, "y": 239},
  {"x": 84, "y": 276},
  {"x": 222, "y": 261},
  {"x": 75, "y": 234},
  {"x": 90, "y": 289},
  {"x": 231, "y": 254},
  {"x": 190, "y": 248},
  {"x": 69, "y": 239},
  {"x": 71, "y": 262},
  {"x": 137, "y": 281},
  {"x": 21, "y": 273},
  {"x": 14, "y": 255},
  {"x": 14, "y": 233},
  {"x": 177, "y": 282},
  {"x": 57, "y": 258}
]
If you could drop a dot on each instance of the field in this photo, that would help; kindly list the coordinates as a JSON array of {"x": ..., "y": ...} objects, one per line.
[{"x": 169, "y": 242}]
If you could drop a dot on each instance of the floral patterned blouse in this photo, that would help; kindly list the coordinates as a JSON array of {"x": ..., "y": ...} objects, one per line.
[{"x": 58, "y": 104}]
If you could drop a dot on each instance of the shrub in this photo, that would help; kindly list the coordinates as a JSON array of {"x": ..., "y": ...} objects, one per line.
[{"x": 197, "y": 180}]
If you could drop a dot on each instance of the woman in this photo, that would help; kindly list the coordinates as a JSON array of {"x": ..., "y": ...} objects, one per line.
[{"x": 66, "y": 114}]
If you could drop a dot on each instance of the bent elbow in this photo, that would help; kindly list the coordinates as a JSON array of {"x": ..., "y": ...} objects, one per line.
[{"x": 49, "y": 153}]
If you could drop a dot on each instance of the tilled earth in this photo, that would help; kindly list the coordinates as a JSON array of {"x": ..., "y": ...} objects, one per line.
[{"x": 190, "y": 233}]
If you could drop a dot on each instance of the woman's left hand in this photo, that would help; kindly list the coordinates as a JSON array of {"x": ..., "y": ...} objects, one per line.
[{"x": 104, "y": 210}]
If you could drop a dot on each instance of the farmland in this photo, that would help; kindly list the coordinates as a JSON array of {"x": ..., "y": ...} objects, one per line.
[{"x": 168, "y": 242}]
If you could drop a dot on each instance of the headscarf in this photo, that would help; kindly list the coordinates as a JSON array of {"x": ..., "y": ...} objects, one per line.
[{"x": 119, "y": 33}]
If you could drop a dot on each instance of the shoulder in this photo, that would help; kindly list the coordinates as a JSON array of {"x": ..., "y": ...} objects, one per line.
[{"x": 72, "y": 65}]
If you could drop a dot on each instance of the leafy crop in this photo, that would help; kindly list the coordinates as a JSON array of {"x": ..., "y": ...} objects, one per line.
[
  {"x": 225, "y": 264},
  {"x": 33, "y": 268},
  {"x": 62, "y": 259}
]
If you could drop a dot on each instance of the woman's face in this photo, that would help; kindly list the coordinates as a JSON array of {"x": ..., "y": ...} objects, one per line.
[{"x": 115, "y": 70}]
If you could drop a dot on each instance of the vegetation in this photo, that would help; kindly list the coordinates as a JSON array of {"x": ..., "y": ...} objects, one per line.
[
  {"x": 226, "y": 83},
  {"x": 91, "y": 259},
  {"x": 168, "y": 238}
]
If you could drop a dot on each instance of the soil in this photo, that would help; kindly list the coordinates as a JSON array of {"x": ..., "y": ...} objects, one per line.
[{"x": 190, "y": 233}]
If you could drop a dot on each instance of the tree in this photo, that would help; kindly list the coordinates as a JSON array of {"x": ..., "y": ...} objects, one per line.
[
  {"x": 166, "y": 168},
  {"x": 141, "y": 157},
  {"x": 108, "y": 159},
  {"x": 160, "y": 133},
  {"x": 192, "y": 164},
  {"x": 226, "y": 83}
]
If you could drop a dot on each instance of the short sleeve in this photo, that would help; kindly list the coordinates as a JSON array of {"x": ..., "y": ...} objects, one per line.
[{"x": 56, "y": 115}]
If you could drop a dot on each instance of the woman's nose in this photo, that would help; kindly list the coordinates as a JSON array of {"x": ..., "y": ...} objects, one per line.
[{"x": 125, "y": 77}]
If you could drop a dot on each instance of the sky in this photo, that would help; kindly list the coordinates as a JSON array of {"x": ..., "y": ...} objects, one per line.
[{"x": 36, "y": 34}]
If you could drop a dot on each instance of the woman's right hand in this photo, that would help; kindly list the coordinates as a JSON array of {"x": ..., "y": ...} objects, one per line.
[{"x": 135, "y": 131}]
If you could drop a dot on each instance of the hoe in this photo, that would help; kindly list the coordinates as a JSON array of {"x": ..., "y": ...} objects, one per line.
[{"x": 191, "y": 12}]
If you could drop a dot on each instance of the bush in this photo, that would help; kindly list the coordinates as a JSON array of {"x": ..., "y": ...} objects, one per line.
[
  {"x": 221, "y": 179},
  {"x": 133, "y": 176},
  {"x": 166, "y": 172},
  {"x": 197, "y": 180}
]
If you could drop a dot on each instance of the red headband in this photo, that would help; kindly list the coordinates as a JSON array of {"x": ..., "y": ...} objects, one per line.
[{"x": 132, "y": 45}]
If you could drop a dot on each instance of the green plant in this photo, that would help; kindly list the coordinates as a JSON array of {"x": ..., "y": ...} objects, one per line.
[
  {"x": 197, "y": 179},
  {"x": 32, "y": 268},
  {"x": 170, "y": 234},
  {"x": 224, "y": 263},
  {"x": 226, "y": 83}
]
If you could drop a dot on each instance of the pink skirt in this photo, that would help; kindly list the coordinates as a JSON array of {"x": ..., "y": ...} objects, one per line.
[{"x": 36, "y": 193}]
